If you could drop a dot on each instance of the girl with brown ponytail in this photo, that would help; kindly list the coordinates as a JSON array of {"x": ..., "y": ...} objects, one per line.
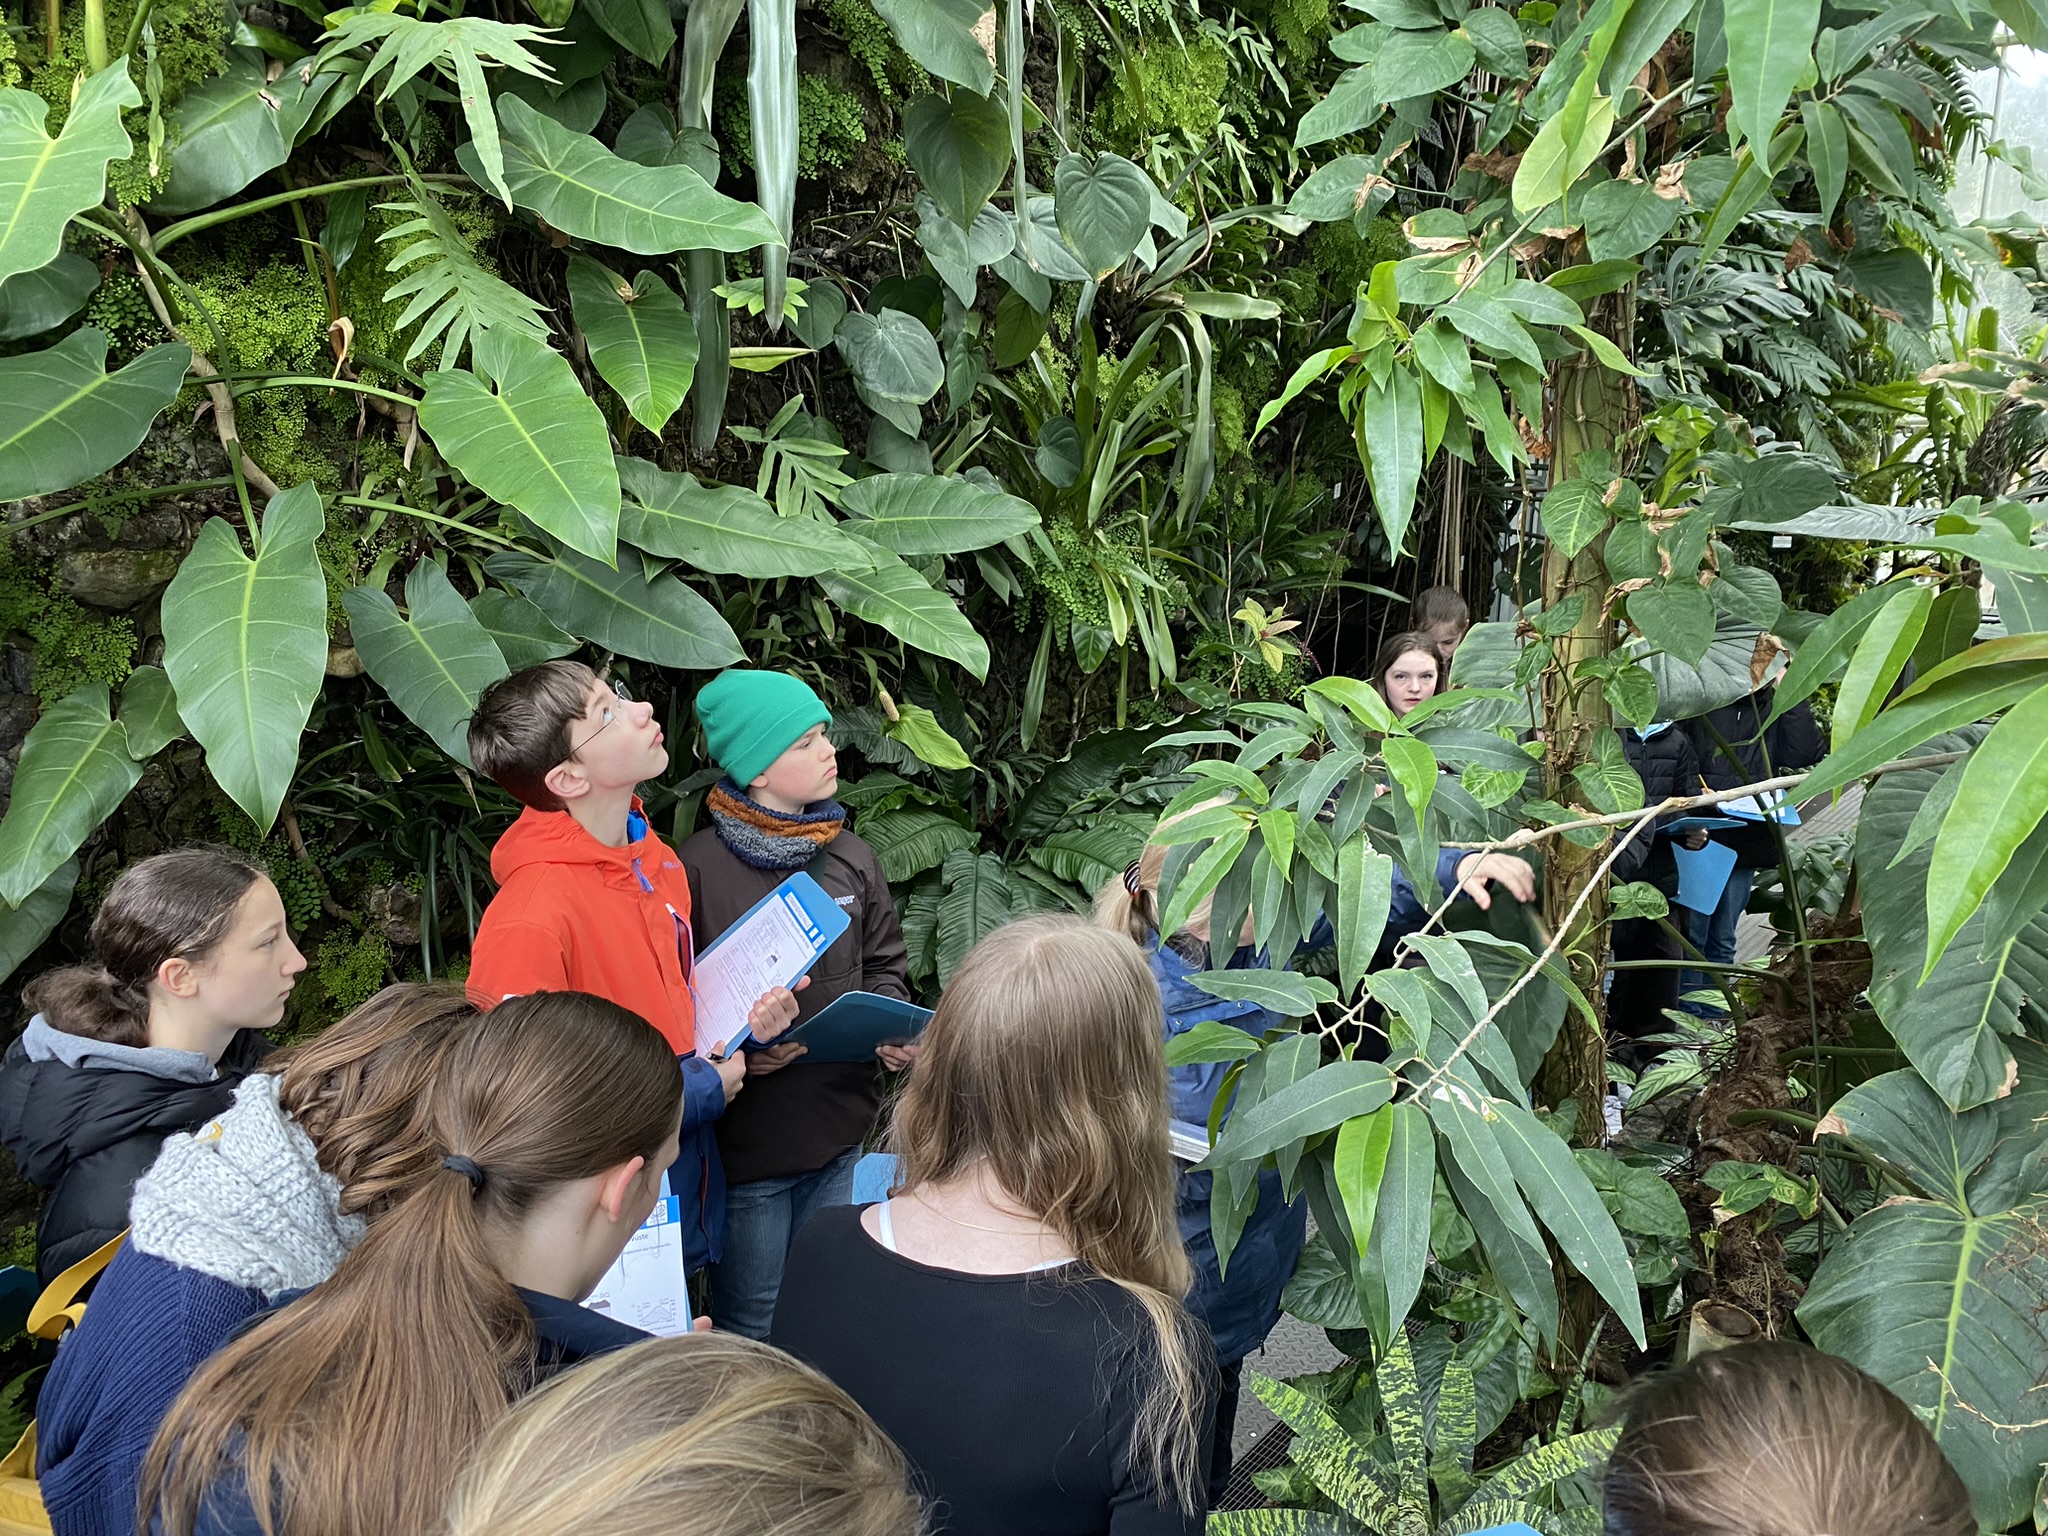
[{"x": 349, "y": 1411}]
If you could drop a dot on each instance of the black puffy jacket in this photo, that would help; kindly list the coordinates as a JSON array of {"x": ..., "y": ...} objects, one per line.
[
  {"x": 84, "y": 1130},
  {"x": 1790, "y": 744},
  {"x": 1668, "y": 766}
]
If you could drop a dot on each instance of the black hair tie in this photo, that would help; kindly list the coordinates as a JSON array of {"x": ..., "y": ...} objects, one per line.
[{"x": 468, "y": 1168}]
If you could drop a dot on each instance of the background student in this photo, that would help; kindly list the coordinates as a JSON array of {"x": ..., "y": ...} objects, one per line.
[
  {"x": 1406, "y": 670},
  {"x": 790, "y": 1145},
  {"x": 590, "y": 899},
  {"x": 705, "y": 1435},
  {"x": 266, "y": 1199},
  {"x": 1053, "y": 1381},
  {"x": 1777, "y": 1439},
  {"x": 349, "y": 1411},
  {"x": 1441, "y": 614},
  {"x": 191, "y": 961}
]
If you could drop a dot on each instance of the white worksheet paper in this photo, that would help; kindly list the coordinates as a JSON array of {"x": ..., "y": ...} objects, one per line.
[
  {"x": 772, "y": 944},
  {"x": 645, "y": 1287}
]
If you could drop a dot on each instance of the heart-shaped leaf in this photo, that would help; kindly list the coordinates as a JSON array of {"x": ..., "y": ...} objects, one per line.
[
  {"x": 524, "y": 635},
  {"x": 34, "y": 302},
  {"x": 1573, "y": 515},
  {"x": 654, "y": 619},
  {"x": 942, "y": 36},
  {"x": 726, "y": 528},
  {"x": 585, "y": 190},
  {"x": 1104, "y": 206},
  {"x": 1677, "y": 617},
  {"x": 64, "y": 418},
  {"x": 231, "y": 129},
  {"x": 44, "y": 181},
  {"x": 1420, "y": 63},
  {"x": 892, "y": 355},
  {"x": 902, "y": 602},
  {"x": 934, "y": 514},
  {"x": 642, "y": 341},
  {"x": 960, "y": 148},
  {"x": 75, "y": 768},
  {"x": 536, "y": 441},
  {"x": 1625, "y": 218},
  {"x": 435, "y": 662},
  {"x": 642, "y": 27},
  {"x": 245, "y": 644}
]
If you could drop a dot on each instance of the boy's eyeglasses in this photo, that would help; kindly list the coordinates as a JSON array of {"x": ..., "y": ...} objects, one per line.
[{"x": 610, "y": 715}]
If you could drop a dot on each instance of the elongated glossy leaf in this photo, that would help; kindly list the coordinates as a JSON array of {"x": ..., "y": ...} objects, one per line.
[
  {"x": 245, "y": 644},
  {"x": 642, "y": 341},
  {"x": 75, "y": 768},
  {"x": 2000, "y": 800},
  {"x": 1944, "y": 1309},
  {"x": 726, "y": 528},
  {"x": 44, "y": 181},
  {"x": 658, "y": 620},
  {"x": 940, "y": 35},
  {"x": 25, "y": 927},
  {"x": 1321, "y": 1101},
  {"x": 1888, "y": 640},
  {"x": 34, "y": 302},
  {"x": 1104, "y": 205},
  {"x": 1390, "y": 430},
  {"x": 536, "y": 441},
  {"x": 1823, "y": 652},
  {"x": 1463, "y": 1119},
  {"x": 583, "y": 189},
  {"x": 1284, "y": 992},
  {"x": 229, "y": 130},
  {"x": 892, "y": 595},
  {"x": 435, "y": 661},
  {"x": 772, "y": 115},
  {"x": 934, "y": 514},
  {"x": 1770, "y": 44},
  {"x": 1827, "y": 151},
  {"x": 524, "y": 635},
  {"x": 64, "y": 418},
  {"x": 1359, "y": 1166},
  {"x": 1923, "y": 712},
  {"x": 1553, "y": 1183},
  {"x": 1365, "y": 895},
  {"x": 1400, "y": 1232},
  {"x": 960, "y": 149}
]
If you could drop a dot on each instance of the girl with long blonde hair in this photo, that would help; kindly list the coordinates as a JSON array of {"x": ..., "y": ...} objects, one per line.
[
  {"x": 710, "y": 1434},
  {"x": 349, "y": 1411},
  {"x": 1050, "y": 1378}
]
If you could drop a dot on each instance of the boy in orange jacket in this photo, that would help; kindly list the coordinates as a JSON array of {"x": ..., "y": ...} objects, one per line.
[{"x": 590, "y": 899}]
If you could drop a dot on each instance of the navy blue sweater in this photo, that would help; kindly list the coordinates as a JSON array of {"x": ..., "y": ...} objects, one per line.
[{"x": 151, "y": 1324}]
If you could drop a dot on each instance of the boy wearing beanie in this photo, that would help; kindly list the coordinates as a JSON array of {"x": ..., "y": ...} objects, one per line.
[{"x": 789, "y": 1144}]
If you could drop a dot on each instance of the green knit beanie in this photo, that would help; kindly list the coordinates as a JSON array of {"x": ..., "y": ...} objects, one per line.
[{"x": 751, "y": 718}]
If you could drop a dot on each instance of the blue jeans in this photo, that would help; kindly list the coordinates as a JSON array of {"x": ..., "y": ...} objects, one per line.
[
  {"x": 1713, "y": 935},
  {"x": 761, "y": 1220}
]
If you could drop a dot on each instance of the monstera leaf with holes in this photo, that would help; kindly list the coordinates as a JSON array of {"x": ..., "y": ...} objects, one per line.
[
  {"x": 435, "y": 660},
  {"x": 245, "y": 644},
  {"x": 1937, "y": 1292}
]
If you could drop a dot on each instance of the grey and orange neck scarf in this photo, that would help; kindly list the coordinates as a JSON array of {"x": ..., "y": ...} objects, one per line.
[{"x": 765, "y": 839}]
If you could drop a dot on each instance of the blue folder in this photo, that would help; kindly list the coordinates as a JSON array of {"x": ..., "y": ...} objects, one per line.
[
  {"x": 817, "y": 916},
  {"x": 850, "y": 1027}
]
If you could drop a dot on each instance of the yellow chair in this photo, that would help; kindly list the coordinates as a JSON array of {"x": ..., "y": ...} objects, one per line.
[{"x": 58, "y": 1308}]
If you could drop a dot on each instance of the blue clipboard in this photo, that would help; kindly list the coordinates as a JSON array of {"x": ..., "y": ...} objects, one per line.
[
  {"x": 850, "y": 1027},
  {"x": 1703, "y": 875},
  {"x": 798, "y": 907}
]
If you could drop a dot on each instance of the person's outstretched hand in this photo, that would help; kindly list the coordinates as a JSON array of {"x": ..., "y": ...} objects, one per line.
[{"x": 1516, "y": 876}]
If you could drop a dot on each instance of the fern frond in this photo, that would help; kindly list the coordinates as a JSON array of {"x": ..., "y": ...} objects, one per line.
[{"x": 447, "y": 285}]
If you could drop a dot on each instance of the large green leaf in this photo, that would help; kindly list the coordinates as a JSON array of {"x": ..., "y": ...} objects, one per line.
[
  {"x": 64, "y": 418},
  {"x": 585, "y": 190},
  {"x": 1937, "y": 703},
  {"x": 642, "y": 27},
  {"x": 726, "y": 528},
  {"x": 642, "y": 341},
  {"x": 75, "y": 768},
  {"x": 1770, "y": 45},
  {"x": 34, "y": 302},
  {"x": 960, "y": 149},
  {"x": 245, "y": 644},
  {"x": 772, "y": 116},
  {"x": 435, "y": 661},
  {"x": 44, "y": 181},
  {"x": 1573, "y": 514},
  {"x": 2000, "y": 800},
  {"x": 934, "y": 514},
  {"x": 892, "y": 355},
  {"x": 1390, "y": 432},
  {"x": 1880, "y": 655},
  {"x": 1675, "y": 616},
  {"x": 1104, "y": 206},
  {"x": 940, "y": 35},
  {"x": 1322, "y": 1101},
  {"x": 1944, "y": 1308},
  {"x": 536, "y": 441},
  {"x": 524, "y": 635},
  {"x": 908, "y": 842},
  {"x": 24, "y": 927},
  {"x": 655, "y": 619},
  {"x": 1953, "y": 1024},
  {"x": 149, "y": 712},
  {"x": 977, "y": 901},
  {"x": 229, "y": 130},
  {"x": 1625, "y": 218},
  {"x": 902, "y": 602},
  {"x": 1552, "y": 1181},
  {"x": 1420, "y": 63}
]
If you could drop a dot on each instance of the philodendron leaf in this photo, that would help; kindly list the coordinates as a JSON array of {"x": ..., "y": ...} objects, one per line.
[
  {"x": 44, "y": 181},
  {"x": 64, "y": 418},
  {"x": 643, "y": 27},
  {"x": 585, "y": 190},
  {"x": 933, "y": 514},
  {"x": 245, "y": 644},
  {"x": 231, "y": 129},
  {"x": 942, "y": 36},
  {"x": 1770, "y": 45},
  {"x": 24, "y": 927},
  {"x": 2002, "y": 797},
  {"x": 650, "y": 618},
  {"x": 902, "y": 602},
  {"x": 536, "y": 441},
  {"x": 1390, "y": 429},
  {"x": 435, "y": 662},
  {"x": 1675, "y": 616},
  {"x": 34, "y": 302},
  {"x": 960, "y": 149},
  {"x": 1104, "y": 206},
  {"x": 75, "y": 768},
  {"x": 892, "y": 355},
  {"x": 524, "y": 635},
  {"x": 1573, "y": 514},
  {"x": 726, "y": 529},
  {"x": 642, "y": 341}
]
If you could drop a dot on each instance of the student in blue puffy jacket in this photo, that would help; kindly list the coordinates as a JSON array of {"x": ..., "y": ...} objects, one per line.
[{"x": 1240, "y": 1309}]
